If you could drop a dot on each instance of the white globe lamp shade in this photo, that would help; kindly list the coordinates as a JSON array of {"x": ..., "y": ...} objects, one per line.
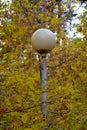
[{"x": 43, "y": 40}]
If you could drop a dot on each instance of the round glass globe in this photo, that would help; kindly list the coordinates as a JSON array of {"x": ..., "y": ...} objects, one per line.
[{"x": 43, "y": 40}]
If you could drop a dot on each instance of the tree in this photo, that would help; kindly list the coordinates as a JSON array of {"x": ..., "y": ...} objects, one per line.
[{"x": 20, "y": 91}]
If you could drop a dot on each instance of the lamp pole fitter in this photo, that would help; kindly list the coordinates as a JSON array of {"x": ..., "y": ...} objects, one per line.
[{"x": 43, "y": 41}]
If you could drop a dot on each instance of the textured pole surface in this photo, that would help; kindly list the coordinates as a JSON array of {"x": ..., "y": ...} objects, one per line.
[{"x": 43, "y": 85}]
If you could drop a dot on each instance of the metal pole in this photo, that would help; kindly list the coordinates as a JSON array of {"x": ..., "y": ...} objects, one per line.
[{"x": 43, "y": 85}]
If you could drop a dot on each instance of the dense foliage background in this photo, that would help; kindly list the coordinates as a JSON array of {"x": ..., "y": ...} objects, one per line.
[{"x": 20, "y": 87}]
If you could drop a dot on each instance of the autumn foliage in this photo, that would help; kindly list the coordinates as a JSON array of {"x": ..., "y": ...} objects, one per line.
[{"x": 20, "y": 84}]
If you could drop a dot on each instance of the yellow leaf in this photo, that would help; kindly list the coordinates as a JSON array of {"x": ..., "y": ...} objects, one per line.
[
  {"x": 7, "y": 101},
  {"x": 24, "y": 118},
  {"x": 15, "y": 114},
  {"x": 18, "y": 98},
  {"x": 27, "y": 129}
]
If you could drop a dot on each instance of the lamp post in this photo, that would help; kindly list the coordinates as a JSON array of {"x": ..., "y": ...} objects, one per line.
[{"x": 43, "y": 41}]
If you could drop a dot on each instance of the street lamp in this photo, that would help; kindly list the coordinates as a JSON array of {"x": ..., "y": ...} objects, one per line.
[{"x": 43, "y": 41}]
